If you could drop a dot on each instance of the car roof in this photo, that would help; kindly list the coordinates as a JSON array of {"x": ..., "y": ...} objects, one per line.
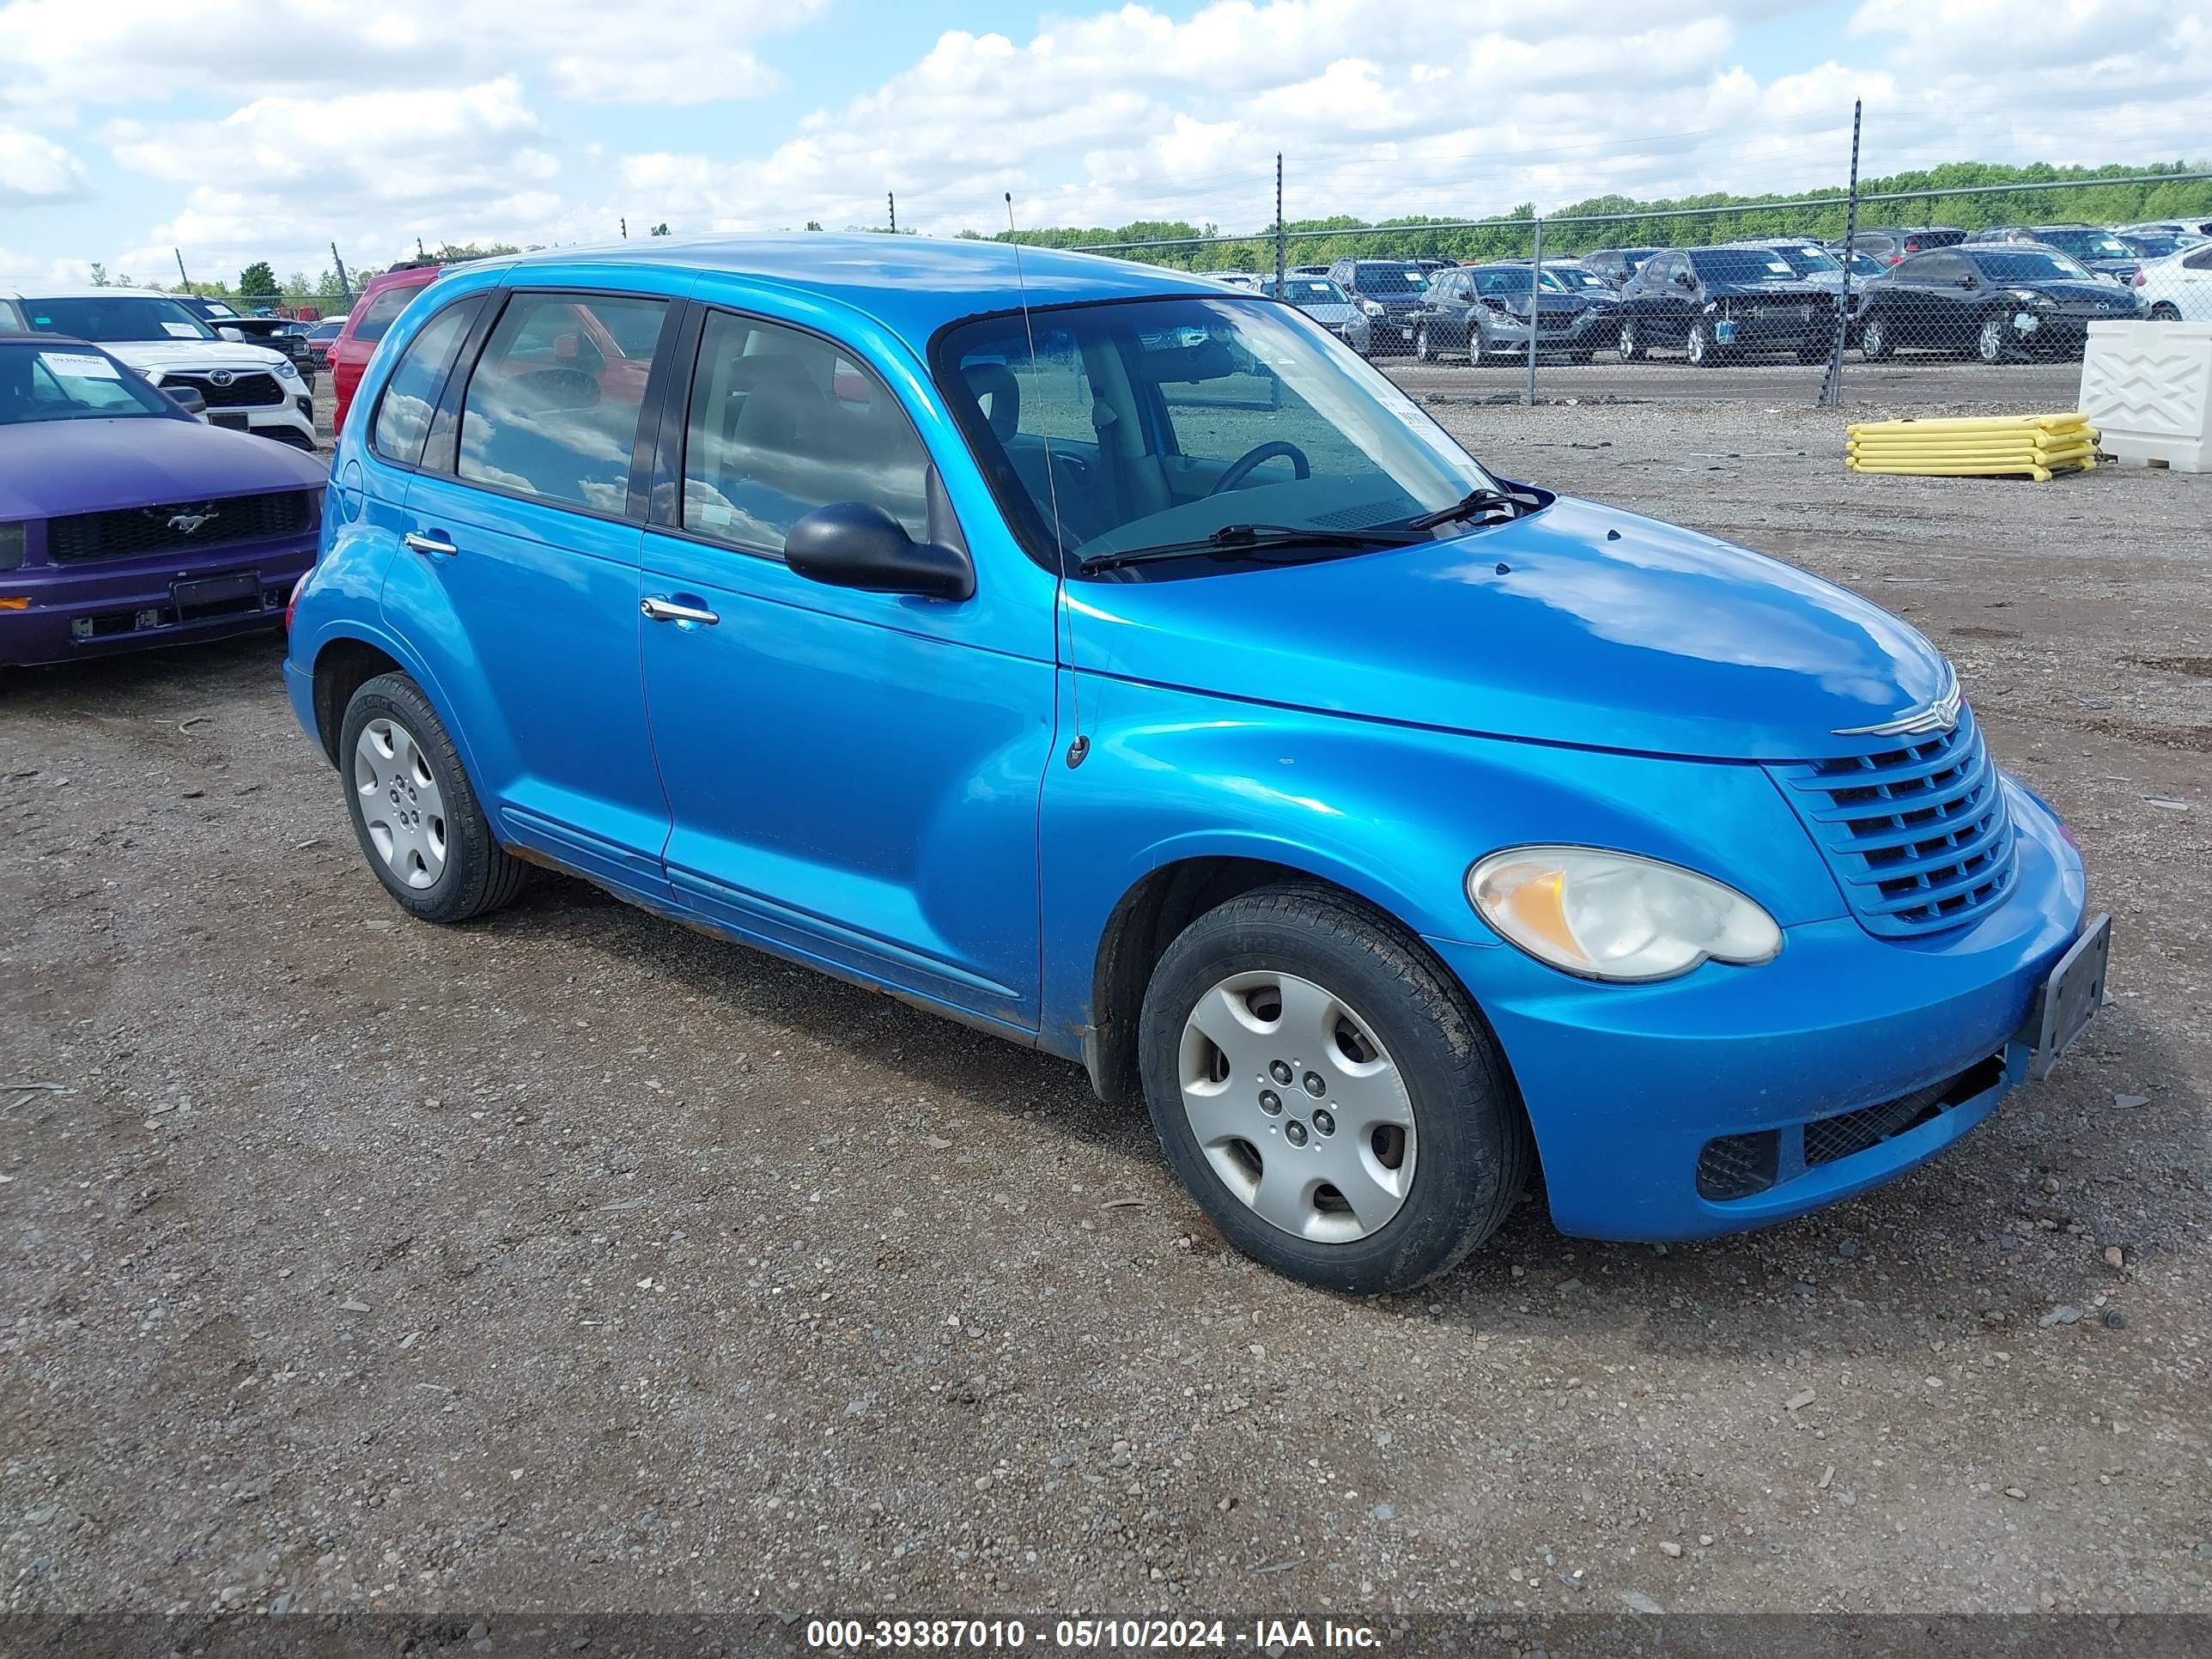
[
  {"x": 912, "y": 284},
  {"x": 84, "y": 293}
]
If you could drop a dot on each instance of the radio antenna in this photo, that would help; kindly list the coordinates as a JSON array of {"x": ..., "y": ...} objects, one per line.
[{"x": 1080, "y": 745}]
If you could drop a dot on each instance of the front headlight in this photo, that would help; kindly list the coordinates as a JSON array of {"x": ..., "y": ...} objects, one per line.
[
  {"x": 1371, "y": 307},
  {"x": 152, "y": 376},
  {"x": 12, "y": 539},
  {"x": 285, "y": 371},
  {"x": 1614, "y": 915}
]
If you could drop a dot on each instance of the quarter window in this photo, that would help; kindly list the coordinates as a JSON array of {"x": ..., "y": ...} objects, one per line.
[
  {"x": 552, "y": 408},
  {"x": 410, "y": 396},
  {"x": 782, "y": 422}
]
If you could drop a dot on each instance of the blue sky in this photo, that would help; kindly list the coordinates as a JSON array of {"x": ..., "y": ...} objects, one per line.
[{"x": 244, "y": 129}]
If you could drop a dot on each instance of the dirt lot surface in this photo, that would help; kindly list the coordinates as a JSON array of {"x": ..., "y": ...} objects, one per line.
[{"x": 570, "y": 1260}]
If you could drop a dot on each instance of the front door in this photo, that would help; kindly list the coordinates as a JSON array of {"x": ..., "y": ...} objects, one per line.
[
  {"x": 853, "y": 777},
  {"x": 527, "y": 526}
]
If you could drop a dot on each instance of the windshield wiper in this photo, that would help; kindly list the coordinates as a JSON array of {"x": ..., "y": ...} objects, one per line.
[
  {"x": 1474, "y": 502},
  {"x": 1232, "y": 538}
]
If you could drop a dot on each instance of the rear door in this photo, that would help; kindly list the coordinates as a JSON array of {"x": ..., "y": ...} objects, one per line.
[{"x": 521, "y": 581}]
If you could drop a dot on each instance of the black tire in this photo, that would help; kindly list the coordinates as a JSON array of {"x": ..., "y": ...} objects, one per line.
[
  {"x": 1989, "y": 343},
  {"x": 1700, "y": 347},
  {"x": 1875, "y": 343},
  {"x": 1630, "y": 345},
  {"x": 479, "y": 875},
  {"x": 2166, "y": 312},
  {"x": 1472, "y": 1145},
  {"x": 1421, "y": 351}
]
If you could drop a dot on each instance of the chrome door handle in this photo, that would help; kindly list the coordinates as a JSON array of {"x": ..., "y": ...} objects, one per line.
[
  {"x": 430, "y": 544},
  {"x": 668, "y": 610}
]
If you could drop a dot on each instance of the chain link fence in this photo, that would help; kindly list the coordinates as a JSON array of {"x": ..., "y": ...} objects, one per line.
[{"x": 1982, "y": 275}]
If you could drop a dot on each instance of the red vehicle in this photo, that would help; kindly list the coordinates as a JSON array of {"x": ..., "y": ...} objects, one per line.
[{"x": 375, "y": 308}]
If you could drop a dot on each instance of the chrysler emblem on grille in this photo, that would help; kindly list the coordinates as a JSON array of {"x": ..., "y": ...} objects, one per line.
[
  {"x": 1939, "y": 716},
  {"x": 188, "y": 523}
]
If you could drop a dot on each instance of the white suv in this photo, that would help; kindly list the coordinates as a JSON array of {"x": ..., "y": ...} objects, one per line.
[{"x": 248, "y": 387}]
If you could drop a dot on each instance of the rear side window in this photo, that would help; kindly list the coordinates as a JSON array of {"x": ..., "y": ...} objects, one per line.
[
  {"x": 410, "y": 396},
  {"x": 382, "y": 312},
  {"x": 552, "y": 408},
  {"x": 782, "y": 422}
]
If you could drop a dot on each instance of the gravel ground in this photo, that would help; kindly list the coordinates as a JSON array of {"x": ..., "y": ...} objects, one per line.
[{"x": 571, "y": 1260}]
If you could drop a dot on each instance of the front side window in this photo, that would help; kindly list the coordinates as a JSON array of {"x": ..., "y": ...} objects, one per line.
[
  {"x": 54, "y": 383},
  {"x": 781, "y": 422},
  {"x": 550, "y": 412},
  {"x": 117, "y": 319},
  {"x": 410, "y": 396},
  {"x": 1171, "y": 420}
]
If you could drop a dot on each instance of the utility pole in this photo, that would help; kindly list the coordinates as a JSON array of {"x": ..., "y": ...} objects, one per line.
[
  {"x": 1280, "y": 245},
  {"x": 893, "y": 199},
  {"x": 1535, "y": 298},
  {"x": 625, "y": 223},
  {"x": 1832, "y": 384},
  {"x": 345, "y": 289},
  {"x": 184, "y": 280}
]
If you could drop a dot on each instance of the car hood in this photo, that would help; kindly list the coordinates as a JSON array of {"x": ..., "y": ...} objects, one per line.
[
  {"x": 1334, "y": 314},
  {"x": 49, "y": 468},
  {"x": 195, "y": 355},
  {"x": 2097, "y": 296},
  {"x": 1575, "y": 624},
  {"x": 1795, "y": 288}
]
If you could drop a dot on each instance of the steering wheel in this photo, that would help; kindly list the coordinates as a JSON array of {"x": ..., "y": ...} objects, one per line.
[{"x": 1242, "y": 467}]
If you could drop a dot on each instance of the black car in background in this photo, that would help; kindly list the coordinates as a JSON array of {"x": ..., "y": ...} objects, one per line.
[
  {"x": 1890, "y": 244},
  {"x": 1615, "y": 265},
  {"x": 2099, "y": 249},
  {"x": 1994, "y": 299},
  {"x": 277, "y": 333},
  {"x": 1483, "y": 311},
  {"x": 1716, "y": 303},
  {"x": 1390, "y": 293}
]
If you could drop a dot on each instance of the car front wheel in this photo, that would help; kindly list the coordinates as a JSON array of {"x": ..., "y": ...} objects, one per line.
[
  {"x": 1703, "y": 352},
  {"x": 1630, "y": 344},
  {"x": 1875, "y": 343},
  {"x": 414, "y": 810},
  {"x": 1421, "y": 350},
  {"x": 1989, "y": 343},
  {"x": 1326, "y": 1093}
]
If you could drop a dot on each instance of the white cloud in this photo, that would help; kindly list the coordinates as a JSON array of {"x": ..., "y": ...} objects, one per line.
[{"x": 34, "y": 169}]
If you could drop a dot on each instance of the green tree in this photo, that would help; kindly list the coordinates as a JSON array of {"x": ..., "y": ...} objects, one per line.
[
  {"x": 99, "y": 274},
  {"x": 257, "y": 281},
  {"x": 660, "y": 229}
]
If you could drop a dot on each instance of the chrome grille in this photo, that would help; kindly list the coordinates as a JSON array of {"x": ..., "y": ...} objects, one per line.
[{"x": 1915, "y": 829}]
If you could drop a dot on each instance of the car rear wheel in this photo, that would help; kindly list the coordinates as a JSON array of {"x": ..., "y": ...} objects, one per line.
[
  {"x": 1875, "y": 343},
  {"x": 1989, "y": 342},
  {"x": 414, "y": 810},
  {"x": 1631, "y": 344},
  {"x": 1326, "y": 1093}
]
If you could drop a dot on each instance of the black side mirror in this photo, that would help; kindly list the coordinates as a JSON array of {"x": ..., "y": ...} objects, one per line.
[
  {"x": 1967, "y": 281},
  {"x": 187, "y": 398},
  {"x": 855, "y": 545}
]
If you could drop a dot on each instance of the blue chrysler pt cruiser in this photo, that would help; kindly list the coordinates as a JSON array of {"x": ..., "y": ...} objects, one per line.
[{"x": 1122, "y": 665}]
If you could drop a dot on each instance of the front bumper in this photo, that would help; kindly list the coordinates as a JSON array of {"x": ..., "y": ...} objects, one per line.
[
  {"x": 99, "y": 610},
  {"x": 1593, "y": 330},
  {"x": 1627, "y": 1086}
]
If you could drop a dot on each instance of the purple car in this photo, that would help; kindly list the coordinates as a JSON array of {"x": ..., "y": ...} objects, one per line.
[{"x": 127, "y": 522}]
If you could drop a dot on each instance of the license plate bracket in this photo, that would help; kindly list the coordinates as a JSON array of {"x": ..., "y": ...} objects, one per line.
[
  {"x": 2070, "y": 995},
  {"x": 229, "y": 420},
  {"x": 225, "y": 593}
]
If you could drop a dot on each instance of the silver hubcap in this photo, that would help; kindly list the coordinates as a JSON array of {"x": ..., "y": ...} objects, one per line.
[
  {"x": 1298, "y": 1106},
  {"x": 400, "y": 802},
  {"x": 1871, "y": 341},
  {"x": 1992, "y": 340}
]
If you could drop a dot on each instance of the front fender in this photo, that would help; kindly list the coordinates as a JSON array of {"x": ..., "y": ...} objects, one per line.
[{"x": 1394, "y": 814}]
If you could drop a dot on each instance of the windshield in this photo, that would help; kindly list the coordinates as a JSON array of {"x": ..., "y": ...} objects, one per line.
[
  {"x": 118, "y": 319},
  {"x": 1389, "y": 279},
  {"x": 1313, "y": 291},
  {"x": 52, "y": 383},
  {"x": 1570, "y": 278},
  {"x": 1162, "y": 421},
  {"x": 2030, "y": 266},
  {"x": 1863, "y": 263},
  {"x": 1740, "y": 266},
  {"x": 1806, "y": 261},
  {"x": 2154, "y": 247},
  {"x": 2085, "y": 244}
]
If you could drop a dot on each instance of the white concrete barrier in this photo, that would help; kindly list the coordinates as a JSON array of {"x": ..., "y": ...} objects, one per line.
[{"x": 2147, "y": 388}]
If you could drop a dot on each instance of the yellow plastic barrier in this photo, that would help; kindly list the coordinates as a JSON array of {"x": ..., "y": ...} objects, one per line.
[{"x": 2036, "y": 446}]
